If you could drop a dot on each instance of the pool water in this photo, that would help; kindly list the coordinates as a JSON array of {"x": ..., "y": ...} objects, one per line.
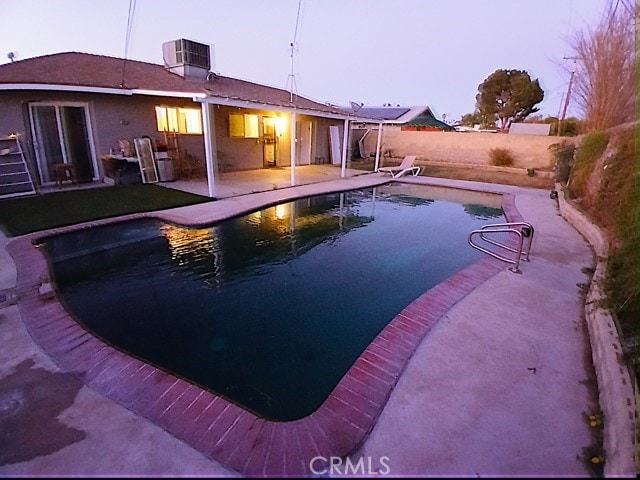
[{"x": 269, "y": 309}]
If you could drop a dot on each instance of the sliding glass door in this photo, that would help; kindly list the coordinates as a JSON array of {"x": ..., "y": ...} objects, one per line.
[{"x": 62, "y": 134}]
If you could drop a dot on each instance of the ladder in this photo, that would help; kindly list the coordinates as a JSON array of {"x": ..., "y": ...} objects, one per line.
[
  {"x": 15, "y": 178},
  {"x": 172, "y": 140},
  {"x": 524, "y": 232}
]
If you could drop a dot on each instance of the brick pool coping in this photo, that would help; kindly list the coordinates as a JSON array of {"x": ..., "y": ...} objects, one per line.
[{"x": 221, "y": 430}]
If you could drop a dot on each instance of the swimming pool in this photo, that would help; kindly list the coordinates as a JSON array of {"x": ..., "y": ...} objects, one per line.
[{"x": 269, "y": 309}]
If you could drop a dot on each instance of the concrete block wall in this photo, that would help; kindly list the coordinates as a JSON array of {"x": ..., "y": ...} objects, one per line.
[{"x": 529, "y": 151}]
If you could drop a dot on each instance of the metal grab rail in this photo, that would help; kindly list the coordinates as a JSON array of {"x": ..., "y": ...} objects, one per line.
[{"x": 526, "y": 232}]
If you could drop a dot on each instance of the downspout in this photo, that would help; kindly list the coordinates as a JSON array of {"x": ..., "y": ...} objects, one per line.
[
  {"x": 294, "y": 141},
  {"x": 210, "y": 149},
  {"x": 345, "y": 139},
  {"x": 377, "y": 164}
]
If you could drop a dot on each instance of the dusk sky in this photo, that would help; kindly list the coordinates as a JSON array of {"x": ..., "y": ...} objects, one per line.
[{"x": 407, "y": 52}]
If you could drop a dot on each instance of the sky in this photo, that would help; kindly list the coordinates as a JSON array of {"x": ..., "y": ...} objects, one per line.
[{"x": 375, "y": 52}]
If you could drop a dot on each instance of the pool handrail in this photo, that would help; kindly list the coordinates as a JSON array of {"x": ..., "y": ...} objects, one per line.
[{"x": 525, "y": 232}]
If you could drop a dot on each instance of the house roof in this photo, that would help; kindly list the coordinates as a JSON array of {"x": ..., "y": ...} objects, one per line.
[
  {"x": 384, "y": 113},
  {"x": 416, "y": 115},
  {"x": 427, "y": 119},
  {"x": 82, "y": 71}
]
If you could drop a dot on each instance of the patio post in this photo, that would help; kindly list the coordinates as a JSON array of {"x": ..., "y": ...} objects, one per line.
[
  {"x": 377, "y": 165},
  {"x": 210, "y": 149},
  {"x": 294, "y": 141},
  {"x": 345, "y": 139}
]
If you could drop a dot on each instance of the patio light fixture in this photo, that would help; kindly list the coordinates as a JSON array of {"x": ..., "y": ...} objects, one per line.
[{"x": 281, "y": 125}]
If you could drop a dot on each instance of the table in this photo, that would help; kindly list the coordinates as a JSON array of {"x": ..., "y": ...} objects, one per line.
[{"x": 122, "y": 170}]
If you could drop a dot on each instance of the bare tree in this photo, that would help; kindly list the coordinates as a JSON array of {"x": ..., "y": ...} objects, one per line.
[{"x": 604, "y": 68}]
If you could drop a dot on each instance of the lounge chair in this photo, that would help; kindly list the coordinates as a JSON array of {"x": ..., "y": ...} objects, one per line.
[{"x": 405, "y": 167}]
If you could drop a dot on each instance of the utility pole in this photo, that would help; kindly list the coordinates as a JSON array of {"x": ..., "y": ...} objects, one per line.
[{"x": 568, "y": 96}]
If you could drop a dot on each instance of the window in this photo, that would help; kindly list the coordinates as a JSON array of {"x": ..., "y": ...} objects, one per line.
[
  {"x": 179, "y": 120},
  {"x": 243, "y": 126}
]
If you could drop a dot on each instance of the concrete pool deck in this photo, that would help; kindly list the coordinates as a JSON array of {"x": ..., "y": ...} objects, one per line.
[{"x": 501, "y": 383}]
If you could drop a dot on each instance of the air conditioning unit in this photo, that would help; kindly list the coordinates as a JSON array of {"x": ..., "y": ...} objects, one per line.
[{"x": 187, "y": 58}]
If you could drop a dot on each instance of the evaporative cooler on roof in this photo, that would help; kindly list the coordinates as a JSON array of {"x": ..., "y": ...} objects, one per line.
[{"x": 187, "y": 58}]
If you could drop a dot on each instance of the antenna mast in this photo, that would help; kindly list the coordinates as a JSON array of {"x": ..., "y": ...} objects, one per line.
[{"x": 291, "y": 79}]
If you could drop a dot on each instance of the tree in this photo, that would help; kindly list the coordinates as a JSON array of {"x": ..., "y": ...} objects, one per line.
[
  {"x": 604, "y": 68},
  {"x": 470, "y": 119},
  {"x": 475, "y": 118},
  {"x": 508, "y": 96},
  {"x": 571, "y": 126}
]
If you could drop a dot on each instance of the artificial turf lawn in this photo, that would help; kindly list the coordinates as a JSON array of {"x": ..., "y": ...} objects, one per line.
[{"x": 21, "y": 215}]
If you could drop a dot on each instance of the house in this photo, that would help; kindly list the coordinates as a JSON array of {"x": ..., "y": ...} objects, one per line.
[
  {"x": 76, "y": 108},
  {"x": 388, "y": 117}
]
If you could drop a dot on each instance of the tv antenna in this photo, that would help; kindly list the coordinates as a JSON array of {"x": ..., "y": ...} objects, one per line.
[{"x": 291, "y": 79}]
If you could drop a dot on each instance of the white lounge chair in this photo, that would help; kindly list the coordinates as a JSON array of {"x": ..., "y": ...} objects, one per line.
[{"x": 405, "y": 167}]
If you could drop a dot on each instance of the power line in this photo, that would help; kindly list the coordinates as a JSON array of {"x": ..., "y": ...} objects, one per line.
[
  {"x": 131, "y": 13},
  {"x": 132, "y": 8},
  {"x": 295, "y": 32}
]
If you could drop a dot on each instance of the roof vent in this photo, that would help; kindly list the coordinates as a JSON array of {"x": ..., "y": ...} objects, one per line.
[{"x": 187, "y": 58}]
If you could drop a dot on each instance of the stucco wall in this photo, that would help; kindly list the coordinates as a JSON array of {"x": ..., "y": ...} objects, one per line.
[
  {"x": 322, "y": 151},
  {"x": 120, "y": 117},
  {"x": 529, "y": 151},
  {"x": 112, "y": 117},
  {"x": 115, "y": 117},
  {"x": 244, "y": 153},
  {"x": 11, "y": 118},
  {"x": 247, "y": 153}
]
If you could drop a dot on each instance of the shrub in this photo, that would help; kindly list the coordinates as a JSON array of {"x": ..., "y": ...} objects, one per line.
[
  {"x": 563, "y": 159},
  {"x": 591, "y": 148},
  {"x": 501, "y": 157},
  {"x": 570, "y": 127},
  {"x": 618, "y": 209}
]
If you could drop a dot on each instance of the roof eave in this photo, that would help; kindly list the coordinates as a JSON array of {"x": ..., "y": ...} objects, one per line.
[
  {"x": 65, "y": 88},
  {"x": 92, "y": 89},
  {"x": 164, "y": 93},
  {"x": 260, "y": 105},
  {"x": 196, "y": 96}
]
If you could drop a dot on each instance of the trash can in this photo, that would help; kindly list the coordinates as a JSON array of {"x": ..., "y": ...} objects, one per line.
[{"x": 166, "y": 171}]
